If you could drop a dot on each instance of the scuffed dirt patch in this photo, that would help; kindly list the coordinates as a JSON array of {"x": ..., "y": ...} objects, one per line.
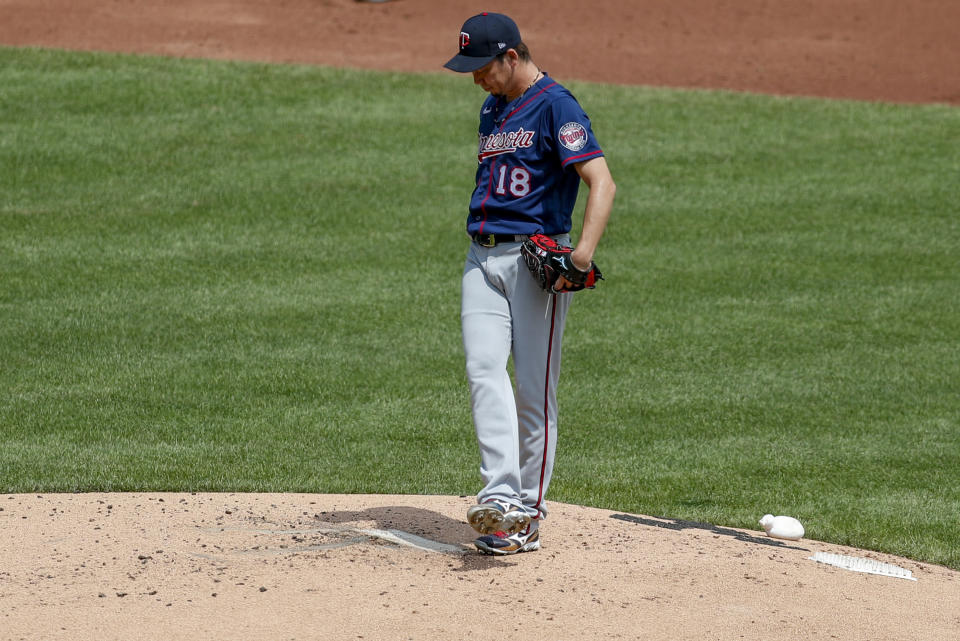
[{"x": 287, "y": 566}]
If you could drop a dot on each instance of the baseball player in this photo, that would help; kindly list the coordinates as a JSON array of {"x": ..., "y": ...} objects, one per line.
[{"x": 535, "y": 146}]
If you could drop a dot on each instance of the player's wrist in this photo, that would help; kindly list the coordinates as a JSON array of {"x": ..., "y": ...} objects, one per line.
[{"x": 582, "y": 263}]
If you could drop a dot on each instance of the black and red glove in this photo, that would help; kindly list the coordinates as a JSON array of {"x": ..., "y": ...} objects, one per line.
[{"x": 548, "y": 261}]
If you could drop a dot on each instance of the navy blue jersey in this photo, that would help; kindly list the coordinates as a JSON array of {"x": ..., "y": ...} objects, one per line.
[{"x": 526, "y": 180}]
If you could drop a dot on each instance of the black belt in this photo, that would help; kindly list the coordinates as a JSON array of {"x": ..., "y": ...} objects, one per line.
[{"x": 492, "y": 240}]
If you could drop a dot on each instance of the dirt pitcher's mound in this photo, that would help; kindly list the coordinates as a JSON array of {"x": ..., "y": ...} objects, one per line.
[{"x": 299, "y": 566}]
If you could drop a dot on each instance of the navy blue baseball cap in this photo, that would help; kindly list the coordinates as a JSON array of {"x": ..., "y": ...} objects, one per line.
[{"x": 482, "y": 38}]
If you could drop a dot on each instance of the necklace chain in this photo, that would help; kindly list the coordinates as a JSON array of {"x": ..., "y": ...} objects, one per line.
[
  {"x": 524, "y": 92},
  {"x": 535, "y": 79}
]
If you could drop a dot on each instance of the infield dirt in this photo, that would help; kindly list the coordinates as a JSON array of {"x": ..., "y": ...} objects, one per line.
[
  {"x": 241, "y": 566},
  {"x": 289, "y": 566},
  {"x": 887, "y": 50}
]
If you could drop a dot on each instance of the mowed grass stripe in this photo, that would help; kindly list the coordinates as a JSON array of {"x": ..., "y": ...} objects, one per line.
[{"x": 244, "y": 277}]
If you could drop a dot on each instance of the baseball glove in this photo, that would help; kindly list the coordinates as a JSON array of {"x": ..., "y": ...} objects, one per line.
[{"x": 548, "y": 261}]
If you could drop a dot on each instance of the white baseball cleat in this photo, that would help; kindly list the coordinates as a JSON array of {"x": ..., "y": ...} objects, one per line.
[
  {"x": 497, "y": 516},
  {"x": 501, "y": 543}
]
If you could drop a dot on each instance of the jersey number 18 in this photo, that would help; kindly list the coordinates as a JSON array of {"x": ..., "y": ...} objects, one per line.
[{"x": 519, "y": 181}]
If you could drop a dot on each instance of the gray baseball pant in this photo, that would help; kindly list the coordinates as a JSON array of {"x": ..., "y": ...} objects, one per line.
[{"x": 504, "y": 312}]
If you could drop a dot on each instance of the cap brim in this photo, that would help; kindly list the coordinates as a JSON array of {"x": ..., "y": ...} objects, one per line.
[{"x": 466, "y": 64}]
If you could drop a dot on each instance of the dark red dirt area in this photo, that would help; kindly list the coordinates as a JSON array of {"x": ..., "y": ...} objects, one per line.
[{"x": 886, "y": 50}]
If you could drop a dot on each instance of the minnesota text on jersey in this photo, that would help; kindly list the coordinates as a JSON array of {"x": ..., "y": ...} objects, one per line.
[{"x": 505, "y": 142}]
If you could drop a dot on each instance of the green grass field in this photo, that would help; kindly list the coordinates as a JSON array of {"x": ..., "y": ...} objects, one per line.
[{"x": 239, "y": 277}]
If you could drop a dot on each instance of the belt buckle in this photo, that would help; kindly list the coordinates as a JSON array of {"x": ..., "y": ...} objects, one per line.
[{"x": 486, "y": 240}]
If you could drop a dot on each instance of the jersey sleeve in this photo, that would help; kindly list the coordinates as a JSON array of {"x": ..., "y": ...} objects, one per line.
[{"x": 569, "y": 132}]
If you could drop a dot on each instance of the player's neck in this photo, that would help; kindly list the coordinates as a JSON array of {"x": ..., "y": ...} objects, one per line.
[{"x": 527, "y": 76}]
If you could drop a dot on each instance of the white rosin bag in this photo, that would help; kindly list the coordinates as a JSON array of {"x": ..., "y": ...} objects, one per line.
[{"x": 782, "y": 527}]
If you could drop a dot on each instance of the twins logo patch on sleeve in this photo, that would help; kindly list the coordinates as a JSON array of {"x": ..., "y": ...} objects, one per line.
[{"x": 573, "y": 136}]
